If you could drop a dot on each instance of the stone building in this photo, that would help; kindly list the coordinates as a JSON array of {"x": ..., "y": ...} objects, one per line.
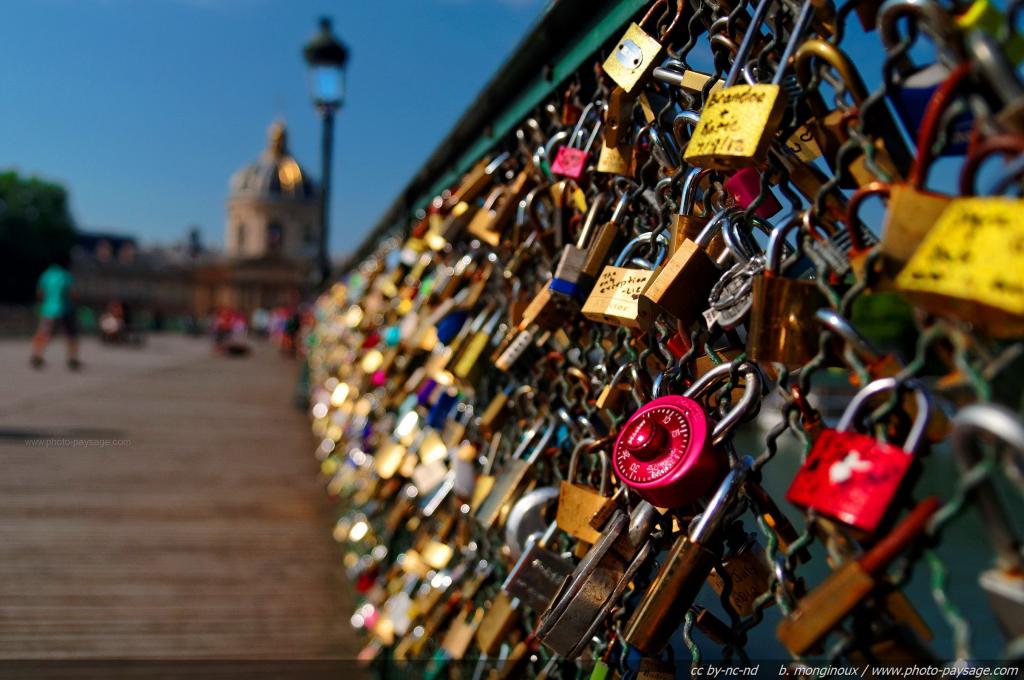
[{"x": 271, "y": 234}]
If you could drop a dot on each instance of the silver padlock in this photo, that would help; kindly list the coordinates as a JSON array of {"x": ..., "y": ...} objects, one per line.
[
  {"x": 538, "y": 573},
  {"x": 596, "y": 585},
  {"x": 529, "y": 517}
]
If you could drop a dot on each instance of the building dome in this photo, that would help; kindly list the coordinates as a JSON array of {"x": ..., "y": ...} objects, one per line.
[{"x": 276, "y": 175}]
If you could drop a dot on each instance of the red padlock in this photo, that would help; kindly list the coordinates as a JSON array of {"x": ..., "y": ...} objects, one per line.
[
  {"x": 666, "y": 452},
  {"x": 852, "y": 477},
  {"x": 745, "y": 187}
]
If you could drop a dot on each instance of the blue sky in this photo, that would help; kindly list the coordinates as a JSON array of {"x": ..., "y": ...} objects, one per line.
[{"x": 143, "y": 108}]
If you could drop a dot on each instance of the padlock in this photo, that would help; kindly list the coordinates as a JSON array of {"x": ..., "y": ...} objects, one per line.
[
  {"x": 745, "y": 575},
  {"x": 482, "y": 333},
  {"x": 529, "y": 516},
  {"x": 745, "y": 186},
  {"x": 912, "y": 210},
  {"x": 569, "y": 279},
  {"x": 501, "y": 616},
  {"x": 684, "y": 570},
  {"x": 667, "y": 451},
  {"x": 475, "y": 182},
  {"x": 782, "y": 327},
  {"x": 1004, "y": 583},
  {"x": 538, "y": 573},
  {"x": 967, "y": 265},
  {"x": 636, "y": 53},
  {"x": 571, "y": 158},
  {"x": 824, "y": 607},
  {"x": 602, "y": 241},
  {"x": 853, "y": 478},
  {"x": 578, "y": 503},
  {"x": 582, "y": 604},
  {"x": 890, "y": 152},
  {"x": 508, "y": 482},
  {"x": 616, "y": 297},
  {"x": 739, "y": 122},
  {"x": 681, "y": 288},
  {"x": 492, "y": 220}
]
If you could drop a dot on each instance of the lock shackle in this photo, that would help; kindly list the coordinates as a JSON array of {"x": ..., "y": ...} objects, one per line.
[
  {"x": 688, "y": 118},
  {"x": 590, "y": 221},
  {"x": 997, "y": 144},
  {"x": 937, "y": 105},
  {"x": 922, "y": 399},
  {"x": 713, "y": 225},
  {"x": 591, "y": 444},
  {"x": 926, "y": 13},
  {"x": 992, "y": 65},
  {"x": 1003, "y": 425},
  {"x": 739, "y": 242},
  {"x": 803, "y": 20},
  {"x": 707, "y": 525},
  {"x": 841, "y": 326},
  {"x": 530, "y": 435},
  {"x": 773, "y": 254},
  {"x": 537, "y": 502},
  {"x": 719, "y": 375},
  {"x": 643, "y": 239},
  {"x": 816, "y": 48},
  {"x": 689, "y": 194},
  {"x": 491, "y": 167},
  {"x": 857, "y": 243},
  {"x": 559, "y": 137},
  {"x": 753, "y": 29}
]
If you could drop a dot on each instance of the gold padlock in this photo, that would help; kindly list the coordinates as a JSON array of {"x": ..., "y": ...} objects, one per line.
[
  {"x": 739, "y": 122},
  {"x": 782, "y": 325},
  {"x": 636, "y": 53},
  {"x": 578, "y": 503},
  {"x": 616, "y": 297}
]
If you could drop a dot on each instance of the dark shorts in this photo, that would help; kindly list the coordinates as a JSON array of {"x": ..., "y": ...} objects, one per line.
[{"x": 66, "y": 322}]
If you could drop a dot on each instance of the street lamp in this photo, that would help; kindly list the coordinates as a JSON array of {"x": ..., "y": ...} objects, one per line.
[{"x": 327, "y": 58}]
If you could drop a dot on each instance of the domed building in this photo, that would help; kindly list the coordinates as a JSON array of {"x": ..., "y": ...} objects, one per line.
[
  {"x": 270, "y": 234},
  {"x": 273, "y": 207}
]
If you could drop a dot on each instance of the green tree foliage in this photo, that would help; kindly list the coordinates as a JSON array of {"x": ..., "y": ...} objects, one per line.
[{"x": 36, "y": 229}]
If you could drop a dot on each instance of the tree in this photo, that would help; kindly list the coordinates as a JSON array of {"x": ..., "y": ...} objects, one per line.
[{"x": 36, "y": 229}]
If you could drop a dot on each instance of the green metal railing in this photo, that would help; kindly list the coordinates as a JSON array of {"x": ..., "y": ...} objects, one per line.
[{"x": 566, "y": 35}]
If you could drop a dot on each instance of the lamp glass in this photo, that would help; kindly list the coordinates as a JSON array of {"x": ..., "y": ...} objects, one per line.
[{"x": 328, "y": 85}]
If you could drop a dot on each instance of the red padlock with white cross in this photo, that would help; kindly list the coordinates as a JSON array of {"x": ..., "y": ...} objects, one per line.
[{"x": 852, "y": 477}]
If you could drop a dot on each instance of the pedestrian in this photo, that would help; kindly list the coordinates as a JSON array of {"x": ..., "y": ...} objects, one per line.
[{"x": 56, "y": 292}]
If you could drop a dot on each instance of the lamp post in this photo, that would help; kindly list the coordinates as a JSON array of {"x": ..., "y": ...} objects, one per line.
[{"x": 326, "y": 57}]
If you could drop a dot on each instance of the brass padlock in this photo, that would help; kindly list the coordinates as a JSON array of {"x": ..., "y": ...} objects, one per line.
[
  {"x": 616, "y": 297},
  {"x": 636, "y": 53},
  {"x": 510, "y": 480},
  {"x": 578, "y": 503},
  {"x": 828, "y": 128},
  {"x": 681, "y": 288},
  {"x": 739, "y": 122},
  {"x": 782, "y": 325},
  {"x": 912, "y": 210},
  {"x": 684, "y": 571}
]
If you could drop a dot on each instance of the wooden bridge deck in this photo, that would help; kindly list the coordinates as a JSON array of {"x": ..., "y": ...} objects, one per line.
[{"x": 203, "y": 534}]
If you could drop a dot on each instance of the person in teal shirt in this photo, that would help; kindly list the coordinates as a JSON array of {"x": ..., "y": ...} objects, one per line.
[{"x": 55, "y": 291}]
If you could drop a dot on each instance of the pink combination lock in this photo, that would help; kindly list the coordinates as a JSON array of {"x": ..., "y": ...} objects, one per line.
[
  {"x": 664, "y": 452},
  {"x": 745, "y": 186}
]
